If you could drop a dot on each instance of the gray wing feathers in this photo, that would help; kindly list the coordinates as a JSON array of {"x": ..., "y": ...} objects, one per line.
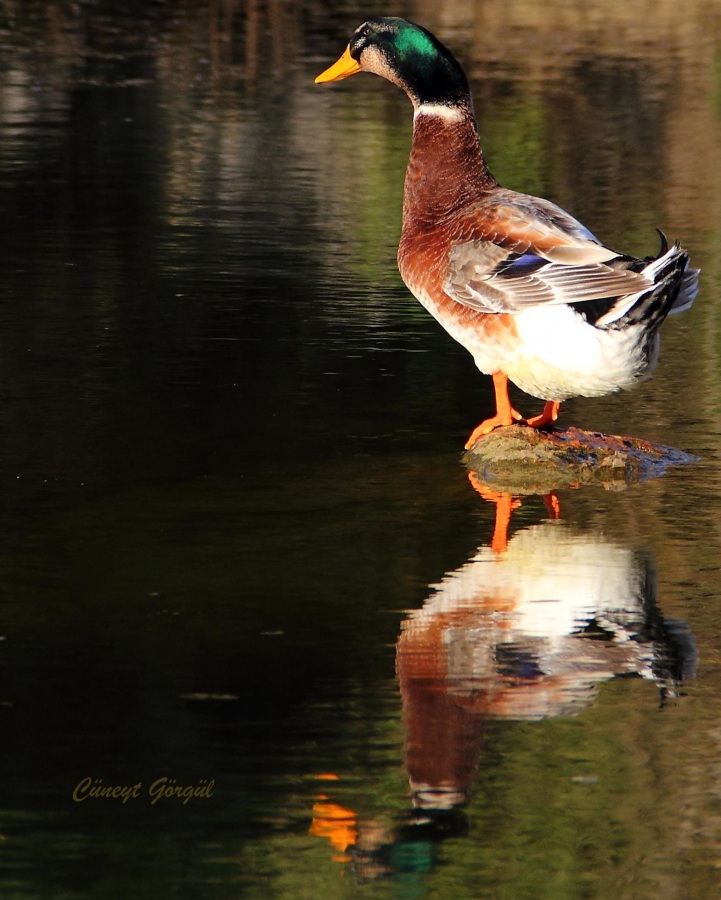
[{"x": 476, "y": 278}]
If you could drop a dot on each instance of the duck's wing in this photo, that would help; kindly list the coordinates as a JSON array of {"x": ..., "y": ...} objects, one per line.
[{"x": 513, "y": 252}]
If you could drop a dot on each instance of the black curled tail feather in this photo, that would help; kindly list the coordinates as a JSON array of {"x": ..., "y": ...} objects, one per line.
[{"x": 664, "y": 244}]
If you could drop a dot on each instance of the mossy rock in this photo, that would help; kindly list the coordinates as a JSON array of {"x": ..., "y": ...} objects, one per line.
[{"x": 520, "y": 459}]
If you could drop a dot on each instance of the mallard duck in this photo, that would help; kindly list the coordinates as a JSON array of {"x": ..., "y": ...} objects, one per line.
[{"x": 528, "y": 290}]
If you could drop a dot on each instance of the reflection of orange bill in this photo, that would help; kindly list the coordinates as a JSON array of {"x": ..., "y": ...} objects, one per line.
[{"x": 335, "y": 823}]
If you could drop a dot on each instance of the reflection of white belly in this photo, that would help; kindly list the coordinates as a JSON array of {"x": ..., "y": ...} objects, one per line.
[
  {"x": 510, "y": 627},
  {"x": 548, "y": 583},
  {"x": 513, "y": 621}
]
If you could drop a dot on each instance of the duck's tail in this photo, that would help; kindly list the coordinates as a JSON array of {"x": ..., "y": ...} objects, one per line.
[
  {"x": 674, "y": 288},
  {"x": 687, "y": 292},
  {"x": 688, "y": 289}
]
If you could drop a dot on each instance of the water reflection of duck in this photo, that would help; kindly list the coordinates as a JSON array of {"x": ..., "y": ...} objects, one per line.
[
  {"x": 522, "y": 285},
  {"x": 526, "y": 633},
  {"x": 525, "y": 630}
]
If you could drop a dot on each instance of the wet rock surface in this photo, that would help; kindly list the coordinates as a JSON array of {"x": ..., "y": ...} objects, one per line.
[{"x": 522, "y": 459}]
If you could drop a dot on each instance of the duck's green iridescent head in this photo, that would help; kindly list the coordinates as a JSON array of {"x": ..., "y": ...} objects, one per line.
[{"x": 407, "y": 55}]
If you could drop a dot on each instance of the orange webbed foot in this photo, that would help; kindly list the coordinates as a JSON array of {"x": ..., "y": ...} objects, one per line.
[
  {"x": 547, "y": 417},
  {"x": 489, "y": 425}
]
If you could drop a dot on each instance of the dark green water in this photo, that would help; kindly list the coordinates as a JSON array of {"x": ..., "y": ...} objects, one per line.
[{"x": 238, "y": 550}]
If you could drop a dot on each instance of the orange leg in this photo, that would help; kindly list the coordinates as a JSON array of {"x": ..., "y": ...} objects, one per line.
[
  {"x": 505, "y": 413},
  {"x": 547, "y": 417}
]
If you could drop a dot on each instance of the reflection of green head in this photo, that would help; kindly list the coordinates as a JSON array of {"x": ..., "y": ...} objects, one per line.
[{"x": 424, "y": 67}]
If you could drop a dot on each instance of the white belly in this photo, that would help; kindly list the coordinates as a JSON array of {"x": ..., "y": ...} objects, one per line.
[
  {"x": 558, "y": 355},
  {"x": 561, "y": 356}
]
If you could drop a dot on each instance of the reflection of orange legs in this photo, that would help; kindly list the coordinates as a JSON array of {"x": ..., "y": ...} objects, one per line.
[
  {"x": 547, "y": 417},
  {"x": 553, "y": 505},
  {"x": 505, "y": 413},
  {"x": 505, "y": 504}
]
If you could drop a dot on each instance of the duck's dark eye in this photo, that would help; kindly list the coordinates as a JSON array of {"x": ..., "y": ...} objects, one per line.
[{"x": 358, "y": 42}]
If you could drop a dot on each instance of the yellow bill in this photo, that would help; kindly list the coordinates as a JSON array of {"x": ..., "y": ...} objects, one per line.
[{"x": 345, "y": 67}]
